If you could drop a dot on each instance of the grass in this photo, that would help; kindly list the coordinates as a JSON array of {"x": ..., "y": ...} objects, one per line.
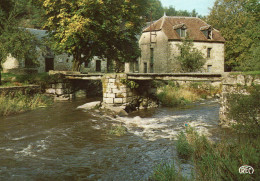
[
  {"x": 17, "y": 103},
  {"x": 215, "y": 161},
  {"x": 246, "y": 73},
  {"x": 9, "y": 79},
  {"x": 172, "y": 95},
  {"x": 118, "y": 130},
  {"x": 166, "y": 172},
  {"x": 221, "y": 161},
  {"x": 184, "y": 149}
]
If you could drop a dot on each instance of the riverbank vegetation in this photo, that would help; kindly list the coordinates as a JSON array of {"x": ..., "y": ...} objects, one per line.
[
  {"x": 213, "y": 161},
  {"x": 172, "y": 94},
  {"x": 42, "y": 79},
  {"x": 18, "y": 102},
  {"x": 221, "y": 160},
  {"x": 118, "y": 130}
]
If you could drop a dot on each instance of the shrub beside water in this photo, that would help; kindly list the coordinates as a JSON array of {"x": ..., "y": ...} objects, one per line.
[
  {"x": 183, "y": 147},
  {"x": 118, "y": 130},
  {"x": 245, "y": 110},
  {"x": 222, "y": 160},
  {"x": 166, "y": 172},
  {"x": 214, "y": 161},
  {"x": 18, "y": 102},
  {"x": 173, "y": 96}
]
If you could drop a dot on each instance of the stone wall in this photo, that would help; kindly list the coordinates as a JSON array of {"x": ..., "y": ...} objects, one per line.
[
  {"x": 216, "y": 59},
  {"x": 61, "y": 62},
  {"x": 165, "y": 53},
  {"x": 31, "y": 89},
  {"x": 117, "y": 93},
  {"x": 160, "y": 48},
  {"x": 60, "y": 91},
  {"x": 234, "y": 84},
  {"x": 114, "y": 91}
]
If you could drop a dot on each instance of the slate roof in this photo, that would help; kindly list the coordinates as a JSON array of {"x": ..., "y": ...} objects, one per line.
[
  {"x": 39, "y": 34},
  {"x": 194, "y": 27}
]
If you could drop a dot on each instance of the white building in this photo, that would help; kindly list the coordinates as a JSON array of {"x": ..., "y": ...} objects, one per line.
[
  {"x": 50, "y": 61},
  {"x": 158, "y": 45}
]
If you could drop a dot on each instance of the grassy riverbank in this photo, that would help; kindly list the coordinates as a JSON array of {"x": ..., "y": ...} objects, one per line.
[
  {"x": 14, "y": 103},
  {"x": 213, "y": 161},
  {"x": 174, "y": 95},
  {"x": 221, "y": 160}
]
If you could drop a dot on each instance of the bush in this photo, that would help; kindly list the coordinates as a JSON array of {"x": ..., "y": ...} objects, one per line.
[
  {"x": 245, "y": 110},
  {"x": 191, "y": 59},
  {"x": 183, "y": 147},
  {"x": 118, "y": 130},
  {"x": 166, "y": 172},
  {"x": 18, "y": 102},
  {"x": 171, "y": 95},
  {"x": 222, "y": 160}
]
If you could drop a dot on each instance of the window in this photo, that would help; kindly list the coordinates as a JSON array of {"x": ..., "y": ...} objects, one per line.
[
  {"x": 209, "y": 68},
  {"x": 145, "y": 67},
  {"x": 151, "y": 55},
  {"x": 181, "y": 32},
  {"x": 136, "y": 66},
  {"x": 98, "y": 65},
  {"x": 207, "y": 33},
  {"x": 151, "y": 68},
  {"x": 209, "y": 52}
]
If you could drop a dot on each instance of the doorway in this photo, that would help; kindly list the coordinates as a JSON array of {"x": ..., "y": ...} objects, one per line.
[
  {"x": 98, "y": 65},
  {"x": 49, "y": 64}
]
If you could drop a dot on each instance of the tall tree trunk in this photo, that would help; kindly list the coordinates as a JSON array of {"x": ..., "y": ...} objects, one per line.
[{"x": 76, "y": 65}]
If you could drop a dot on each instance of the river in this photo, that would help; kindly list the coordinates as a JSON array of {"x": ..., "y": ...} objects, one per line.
[{"x": 61, "y": 142}]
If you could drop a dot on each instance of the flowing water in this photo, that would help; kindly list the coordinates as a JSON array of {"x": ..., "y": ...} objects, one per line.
[{"x": 64, "y": 143}]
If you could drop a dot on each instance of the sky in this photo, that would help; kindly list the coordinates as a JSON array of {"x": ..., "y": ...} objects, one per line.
[{"x": 201, "y": 6}]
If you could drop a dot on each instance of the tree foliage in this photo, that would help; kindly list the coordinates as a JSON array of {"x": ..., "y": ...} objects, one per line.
[
  {"x": 238, "y": 21},
  {"x": 244, "y": 109},
  {"x": 14, "y": 41},
  {"x": 190, "y": 58},
  {"x": 87, "y": 28},
  {"x": 30, "y": 13},
  {"x": 156, "y": 11}
]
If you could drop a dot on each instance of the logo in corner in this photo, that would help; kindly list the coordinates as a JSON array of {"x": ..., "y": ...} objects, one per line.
[{"x": 246, "y": 169}]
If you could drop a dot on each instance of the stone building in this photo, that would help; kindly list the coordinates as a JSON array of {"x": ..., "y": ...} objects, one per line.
[
  {"x": 48, "y": 60},
  {"x": 158, "y": 45}
]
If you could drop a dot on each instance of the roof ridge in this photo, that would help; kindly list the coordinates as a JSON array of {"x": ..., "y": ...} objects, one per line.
[
  {"x": 182, "y": 17},
  {"x": 164, "y": 16}
]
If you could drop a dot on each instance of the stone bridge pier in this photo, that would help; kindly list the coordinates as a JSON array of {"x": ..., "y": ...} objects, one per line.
[{"x": 115, "y": 92}]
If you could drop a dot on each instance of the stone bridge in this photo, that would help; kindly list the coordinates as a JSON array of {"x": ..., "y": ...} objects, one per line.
[{"x": 115, "y": 92}]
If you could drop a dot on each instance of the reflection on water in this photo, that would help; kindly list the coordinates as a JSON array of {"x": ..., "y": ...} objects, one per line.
[{"x": 63, "y": 143}]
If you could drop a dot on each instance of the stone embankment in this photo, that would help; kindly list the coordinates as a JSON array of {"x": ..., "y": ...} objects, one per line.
[
  {"x": 24, "y": 89},
  {"x": 60, "y": 91},
  {"x": 234, "y": 84}
]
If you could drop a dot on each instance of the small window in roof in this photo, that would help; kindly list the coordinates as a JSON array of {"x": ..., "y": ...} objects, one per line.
[
  {"x": 207, "y": 31},
  {"x": 181, "y": 30}
]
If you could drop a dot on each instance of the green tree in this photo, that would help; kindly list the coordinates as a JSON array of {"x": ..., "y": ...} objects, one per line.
[
  {"x": 190, "y": 58},
  {"x": 155, "y": 11},
  {"x": 30, "y": 13},
  {"x": 244, "y": 109},
  {"x": 14, "y": 41},
  {"x": 87, "y": 28},
  {"x": 171, "y": 11},
  {"x": 238, "y": 21}
]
